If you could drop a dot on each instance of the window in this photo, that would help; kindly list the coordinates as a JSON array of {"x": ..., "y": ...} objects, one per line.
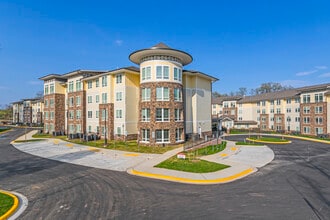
[
  {"x": 71, "y": 86},
  {"x": 90, "y": 114},
  {"x": 318, "y": 109},
  {"x": 52, "y": 115},
  {"x": 272, "y": 102},
  {"x": 306, "y": 130},
  {"x": 71, "y": 114},
  {"x": 146, "y": 73},
  {"x": 214, "y": 106},
  {"x": 51, "y": 88},
  {"x": 104, "y": 81},
  {"x": 162, "y": 72},
  {"x": 71, "y": 101},
  {"x": 288, "y": 110},
  {"x": 51, "y": 102},
  {"x": 258, "y": 111},
  {"x": 306, "y": 109},
  {"x": 278, "y": 111},
  {"x": 319, "y": 130},
  {"x": 177, "y": 74},
  {"x": 78, "y": 100},
  {"x": 118, "y": 130},
  {"x": 78, "y": 85},
  {"x": 97, "y": 83},
  {"x": 278, "y": 102},
  {"x": 225, "y": 104},
  {"x": 162, "y": 114},
  {"x": 46, "y": 90},
  {"x": 96, "y": 114},
  {"x": 89, "y": 84},
  {"x": 263, "y": 111},
  {"x": 178, "y": 134},
  {"x": 146, "y": 94},
  {"x": 306, "y": 120},
  {"x": 297, "y": 100},
  {"x": 263, "y": 103},
  {"x": 78, "y": 114},
  {"x": 89, "y": 129},
  {"x": 288, "y": 101},
  {"x": 97, "y": 98},
  {"x": 46, "y": 115},
  {"x": 104, "y": 114},
  {"x": 162, "y": 94},
  {"x": 78, "y": 128},
  {"x": 104, "y": 98},
  {"x": 319, "y": 97},
  {"x": 271, "y": 110},
  {"x": 119, "y": 78},
  {"x": 288, "y": 119},
  {"x": 89, "y": 99},
  {"x": 178, "y": 114},
  {"x": 297, "y": 110},
  {"x": 297, "y": 119},
  {"x": 162, "y": 135},
  {"x": 306, "y": 98},
  {"x": 145, "y": 114},
  {"x": 119, "y": 113},
  {"x": 119, "y": 96},
  {"x": 319, "y": 120},
  {"x": 177, "y": 95},
  {"x": 145, "y": 134}
]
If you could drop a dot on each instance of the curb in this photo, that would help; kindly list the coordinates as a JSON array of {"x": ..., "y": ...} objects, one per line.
[
  {"x": 308, "y": 139},
  {"x": 12, "y": 209},
  {"x": 268, "y": 142},
  {"x": 193, "y": 181}
]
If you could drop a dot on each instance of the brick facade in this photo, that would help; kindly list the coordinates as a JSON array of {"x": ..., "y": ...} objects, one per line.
[
  {"x": 74, "y": 107},
  {"x": 264, "y": 121},
  {"x": 107, "y": 122},
  {"x": 312, "y": 115},
  {"x": 59, "y": 112}
]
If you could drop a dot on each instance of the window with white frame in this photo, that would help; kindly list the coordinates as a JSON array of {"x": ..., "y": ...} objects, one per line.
[
  {"x": 306, "y": 98},
  {"x": 119, "y": 113},
  {"x": 145, "y": 114},
  {"x": 319, "y": 130},
  {"x": 177, "y": 74},
  {"x": 71, "y": 86},
  {"x": 288, "y": 110},
  {"x": 78, "y": 128},
  {"x": 278, "y": 111},
  {"x": 297, "y": 109},
  {"x": 46, "y": 115},
  {"x": 71, "y": 101},
  {"x": 177, "y": 95},
  {"x": 162, "y": 72},
  {"x": 97, "y": 98},
  {"x": 278, "y": 102},
  {"x": 97, "y": 83},
  {"x": 78, "y": 114},
  {"x": 162, "y": 94},
  {"x": 307, "y": 130},
  {"x": 318, "y": 109},
  {"x": 146, "y": 73},
  {"x": 96, "y": 114},
  {"x": 162, "y": 114},
  {"x": 119, "y": 96},
  {"x": 90, "y": 114},
  {"x": 271, "y": 110},
  {"x": 162, "y": 135},
  {"x": 118, "y": 130},
  {"x": 178, "y": 134},
  {"x": 51, "y": 102},
  {"x": 104, "y": 114},
  {"x": 104, "y": 98},
  {"x": 89, "y": 99},
  {"x": 52, "y": 115},
  {"x": 71, "y": 114},
  {"x": 119, "y": 78},
  {"x": 178, "y": 114},
  {"x": 51, "y": 88},
  {"x": 288, "y": 101},
  {"x": 78, "y": 85},
  {"x": 46, "y": 89},
  {"x": 78, "y": 102},
  {"x": 146, "y": 94},
  {"x": 89, "y": 129},
  {"x": 89, "y": 84},
  {"x": 297, "y": 100},
  {"x": 319, "y": 120},
  {"x": 306, "y": 109},
  {"x": 145, "y": 135},
  {"x": 319, "y": 97},
  {"x": 297, "y": 119},
  {"x": 104, "y": 81},
  {"x": 306, "y": 120}
]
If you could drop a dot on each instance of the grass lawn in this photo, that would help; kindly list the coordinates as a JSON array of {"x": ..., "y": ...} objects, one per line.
[
  {"x": 248, "y": 143},
  {"x": 6, "y": 202},
  {"x": 4, "y": 129},
  {"x": 193, "y": 166},
  {"x": 209, "y": 150},
  {"x": 42, "y": 136},
  {"x": 238, "y": 132},
  {"x": 269, "y": 139},
  {"x": 31, "y": 140}
]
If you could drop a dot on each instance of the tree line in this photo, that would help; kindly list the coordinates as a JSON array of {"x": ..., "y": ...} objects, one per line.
[{"x": 263, "y": 88}]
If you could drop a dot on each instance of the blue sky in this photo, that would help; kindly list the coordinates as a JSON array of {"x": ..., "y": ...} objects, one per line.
[{"x": 243, "y": 43}]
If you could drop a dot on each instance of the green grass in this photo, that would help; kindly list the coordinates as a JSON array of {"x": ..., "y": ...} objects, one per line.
[
  {"x": 4, "y": 129},
  {"x": 31, "y": 140},
  {"x": 6, "y": 202},
  {"x": 248, "y": 143},
  {"x": 193, "y": 166},
  {"x": 233, "y": 131},
  {"x": 269, "y": 139},
  {"x": 209, "y": 150},
  {"x": 42, "y": 136}
]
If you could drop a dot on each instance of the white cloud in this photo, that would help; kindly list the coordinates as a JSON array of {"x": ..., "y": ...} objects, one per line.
[
  {"x": 294, "y": 83},
  {"x": 325, "y": 75},
  {"x": 306, "y": 73},
  {"x": 118, "y": 42},
  {"x": 321, "y": 67},
  {"x": 34, "y": 82}
]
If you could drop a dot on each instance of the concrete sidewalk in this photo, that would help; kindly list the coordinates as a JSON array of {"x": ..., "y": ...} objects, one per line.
[{"x": 243, "y": 160}]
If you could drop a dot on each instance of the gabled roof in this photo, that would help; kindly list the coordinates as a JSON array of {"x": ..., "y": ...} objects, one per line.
[
  {"x": 221, "y": 99},
  {"x": 198, "y": 73},
  {"x": 325, "y": 86},
  {"x": 270, "y": 96},
  {"x": 53, "y": 76}
]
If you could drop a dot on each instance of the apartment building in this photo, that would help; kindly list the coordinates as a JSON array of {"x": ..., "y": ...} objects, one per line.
[
  {"x": 303, "y": 110},
  {"x": 156, "y": 103},
  {"x": 28, "y": 111}
]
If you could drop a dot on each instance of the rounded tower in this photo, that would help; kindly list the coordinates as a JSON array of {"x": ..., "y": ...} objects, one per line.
[{"x": 161, "y": 105}]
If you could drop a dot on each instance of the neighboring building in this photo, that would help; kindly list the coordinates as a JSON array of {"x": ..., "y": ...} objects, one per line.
[
  {"x": 157, "y": 103},
  {"x": 303, "y": 110},
  {"x": 28, "y": 112}
]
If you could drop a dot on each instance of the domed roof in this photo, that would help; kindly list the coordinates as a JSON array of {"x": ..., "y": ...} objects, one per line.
[{"x": 160, "y": 49}]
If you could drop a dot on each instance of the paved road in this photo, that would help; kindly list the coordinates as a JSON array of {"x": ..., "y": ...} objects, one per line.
[{"x": 290, "y": 187}]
